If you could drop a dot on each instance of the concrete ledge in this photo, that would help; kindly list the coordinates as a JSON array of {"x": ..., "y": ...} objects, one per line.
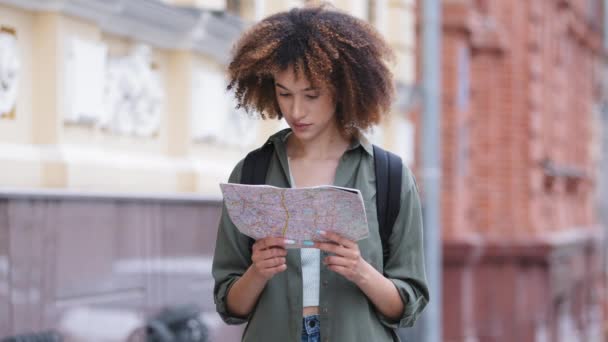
[
  {"x": 546, "y": 287},
  {"x": 154, "y": 22},
  {"x": 75, "y": 195}
]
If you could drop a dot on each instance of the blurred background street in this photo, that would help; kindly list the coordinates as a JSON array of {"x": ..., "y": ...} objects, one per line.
[{"x": 116, "y": 130}]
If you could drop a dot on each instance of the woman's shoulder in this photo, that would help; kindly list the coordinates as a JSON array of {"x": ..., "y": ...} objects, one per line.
[
  {"x": 274, "y": 140},
  {"x": 408, "y": 179},
  {"x": 237, "y": 170}
]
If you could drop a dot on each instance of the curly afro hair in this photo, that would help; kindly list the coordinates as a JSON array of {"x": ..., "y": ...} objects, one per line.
[{"x": 329, "y": 47}]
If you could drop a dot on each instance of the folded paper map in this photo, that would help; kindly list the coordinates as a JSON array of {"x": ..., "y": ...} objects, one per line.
[{"x": 298, "y": 214}]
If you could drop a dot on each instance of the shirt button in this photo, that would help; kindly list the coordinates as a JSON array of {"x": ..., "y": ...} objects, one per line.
[
  {"x": 325, "y": 283},
  {"x": 325, "y": 310}
]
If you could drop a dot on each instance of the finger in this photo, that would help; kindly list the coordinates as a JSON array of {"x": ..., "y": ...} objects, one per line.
[
  {"x": 337, "y": 238},
  {"x": 275, "y": 242},
  {"x": 258, "y": 245},
  {"x": 269, "y": 253},
  {"x": 339, "y": 261},
  {"x": 331, "y": 247},
  {"x": 271, "y": 263},
  {"x": 272, "y": 252},
  {"x": 270, "y": 242},
  {"x": 276, "y": 269}
]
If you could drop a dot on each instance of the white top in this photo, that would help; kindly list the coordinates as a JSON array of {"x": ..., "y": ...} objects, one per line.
[{"x": 311, "y": 268}]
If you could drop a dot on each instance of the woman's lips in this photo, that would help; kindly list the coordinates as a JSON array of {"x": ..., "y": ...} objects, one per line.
[{"x": 301, "y": 126}]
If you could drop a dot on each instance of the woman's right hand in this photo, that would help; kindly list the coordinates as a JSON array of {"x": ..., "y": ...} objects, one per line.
[{"x": 268, "y": 257}]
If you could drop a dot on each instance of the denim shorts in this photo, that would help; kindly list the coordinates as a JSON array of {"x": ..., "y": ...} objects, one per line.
[{"x": 311, "y": 329}]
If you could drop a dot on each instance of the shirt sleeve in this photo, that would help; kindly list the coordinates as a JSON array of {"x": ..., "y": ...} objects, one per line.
[
  {"x": 231, "y": 258},
  {"x": 405, "y": 264}
]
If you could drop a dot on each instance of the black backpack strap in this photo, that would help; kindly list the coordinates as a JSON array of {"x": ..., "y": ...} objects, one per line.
[
  {"x": 389, "y": 168},
  {"x": 256, "y": 165}
]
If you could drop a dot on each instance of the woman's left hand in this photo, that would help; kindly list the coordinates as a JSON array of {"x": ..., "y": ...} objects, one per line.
[{"x": 346, "y": 260}]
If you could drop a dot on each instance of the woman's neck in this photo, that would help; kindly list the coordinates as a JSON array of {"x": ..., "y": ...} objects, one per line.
[{"x": 330, "y": 145}]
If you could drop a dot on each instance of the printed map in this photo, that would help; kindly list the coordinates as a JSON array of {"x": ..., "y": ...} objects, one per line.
[{"x": 261, "y": 211}]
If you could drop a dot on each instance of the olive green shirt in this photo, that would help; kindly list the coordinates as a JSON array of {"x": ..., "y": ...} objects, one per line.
[{"x": 346, "y": 314}]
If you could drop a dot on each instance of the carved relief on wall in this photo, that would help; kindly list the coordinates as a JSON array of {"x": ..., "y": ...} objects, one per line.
[
  {"x": 122, "y": 95},
  {"x": 134, "y": 94},
  {"x": 10, "y": 66},
  {"x": 85, "y": 79},
  {"x": 214, "y": 117}
]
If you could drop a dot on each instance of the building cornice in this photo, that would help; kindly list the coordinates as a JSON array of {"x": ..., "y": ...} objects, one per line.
[{"x": 153, "y": 22}]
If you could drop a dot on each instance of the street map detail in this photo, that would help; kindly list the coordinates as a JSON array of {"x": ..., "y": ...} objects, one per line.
[{"x": 261, "y": 211}]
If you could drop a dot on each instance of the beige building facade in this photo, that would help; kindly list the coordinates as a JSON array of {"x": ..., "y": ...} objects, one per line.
[
  {"x": 129, "y": 96},
  {"x": 115, "y": 130}
]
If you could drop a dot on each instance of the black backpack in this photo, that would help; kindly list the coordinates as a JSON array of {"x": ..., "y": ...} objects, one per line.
[{"x": 388, "y": 167}]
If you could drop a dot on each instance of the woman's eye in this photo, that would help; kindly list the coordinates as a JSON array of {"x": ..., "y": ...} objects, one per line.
[
  {"x": 312, "y": 97},
  {"x": 284, "y": 95}
]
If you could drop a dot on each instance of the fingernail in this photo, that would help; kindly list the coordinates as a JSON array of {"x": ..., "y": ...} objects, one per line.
[
  {"x": 308, "y": 243},
  {"x": 321, "y": 232},
  {"x": 289, "y": 242}
]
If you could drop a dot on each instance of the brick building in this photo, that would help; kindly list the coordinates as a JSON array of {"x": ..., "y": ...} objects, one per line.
[{"x": 522, "y": 246}]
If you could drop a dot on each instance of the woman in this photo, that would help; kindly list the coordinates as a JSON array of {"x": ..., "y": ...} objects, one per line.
[{"x": 325, "y": 73}]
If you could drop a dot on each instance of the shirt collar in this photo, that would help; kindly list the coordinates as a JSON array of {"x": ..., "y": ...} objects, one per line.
[{"x": 363, "y": 142}]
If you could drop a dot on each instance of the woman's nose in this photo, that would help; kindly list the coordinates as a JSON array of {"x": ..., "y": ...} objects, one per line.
[{"x": 297, "y": 110}]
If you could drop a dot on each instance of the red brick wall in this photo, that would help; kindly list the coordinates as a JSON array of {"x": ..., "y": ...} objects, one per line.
[
  {"x": 560, "y": 104},
  {"x": 517, "y": 170},
  {"x": 531, "y": 74}
]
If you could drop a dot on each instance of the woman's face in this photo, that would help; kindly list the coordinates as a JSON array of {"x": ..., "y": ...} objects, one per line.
[{"x": 309, "y": 111}]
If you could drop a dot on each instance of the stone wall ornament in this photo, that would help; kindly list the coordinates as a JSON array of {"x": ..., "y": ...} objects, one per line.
[
  {"x": 85, "y": 78},
  {"x": 134, "y": 94},
  {"x": 209, "y": 105},
  {"x": 214, "y": 117},
  {"x": 10, "y": 66}
]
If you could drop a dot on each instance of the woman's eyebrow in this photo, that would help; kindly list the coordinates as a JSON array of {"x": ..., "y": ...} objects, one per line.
[{"x": 284, "y": 87}]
